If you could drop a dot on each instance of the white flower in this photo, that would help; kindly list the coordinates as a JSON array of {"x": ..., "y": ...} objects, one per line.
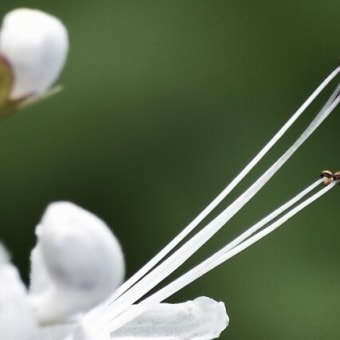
[
  {"x": 77, "y": 264},
  {"x": 16, "y": 318},
  {"x": 35, "y": 46}
]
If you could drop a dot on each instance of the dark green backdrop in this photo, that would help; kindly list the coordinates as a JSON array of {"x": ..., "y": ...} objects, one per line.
[{"x": 164, "y": 102}]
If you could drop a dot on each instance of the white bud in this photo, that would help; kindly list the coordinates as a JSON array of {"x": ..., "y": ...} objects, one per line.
[
  {"x": 76, "y": 264},
  {"x": 35, "y": 44}
]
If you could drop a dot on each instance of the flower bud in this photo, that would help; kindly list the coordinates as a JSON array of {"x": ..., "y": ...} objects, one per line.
[{"x": 35, "y": 45}]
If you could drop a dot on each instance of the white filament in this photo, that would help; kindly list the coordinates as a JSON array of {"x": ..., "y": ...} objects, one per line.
[
  {"x": 176, "y": 259},
  {"x": 117, "y": 311},
  {"x": 225, "y": 192},
  {"x": 212, "y": 262}
]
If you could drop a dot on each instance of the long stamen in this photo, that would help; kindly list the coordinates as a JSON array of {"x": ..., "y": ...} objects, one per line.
[
  {"x": 125, "y": 297},
  {"x": 222, "y": 255},
  {"x": 205, "y": 212},
  {"x": 258, "y": 225},
  {"x": 170, "y": 264}
]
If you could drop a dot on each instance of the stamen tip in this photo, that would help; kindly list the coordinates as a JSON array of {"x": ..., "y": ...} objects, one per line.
[
  {"x": 328, "y": 176},
  {"x": 336, "y": 176}
]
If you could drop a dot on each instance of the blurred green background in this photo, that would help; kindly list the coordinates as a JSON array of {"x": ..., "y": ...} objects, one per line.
[{"x": 164, "y": 102}]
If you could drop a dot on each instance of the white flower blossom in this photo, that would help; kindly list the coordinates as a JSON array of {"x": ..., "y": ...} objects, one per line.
[
  {"x": 77, "y": 266},
  {"x": 35, "y": 46}
]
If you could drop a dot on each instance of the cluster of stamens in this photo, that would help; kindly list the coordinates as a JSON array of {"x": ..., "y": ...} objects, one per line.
[
  {"x": 117, "y": 311},
  {"x": 329, "y": 176}
]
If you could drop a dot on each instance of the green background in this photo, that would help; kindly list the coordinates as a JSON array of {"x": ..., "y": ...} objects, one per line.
[{"x": 164, "y": 103}]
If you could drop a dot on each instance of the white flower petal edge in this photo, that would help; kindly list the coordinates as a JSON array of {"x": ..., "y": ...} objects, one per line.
[
  {"x": 200, "y": 319},
  {"x": 35, "y": 44},
  {"x": 76, "y": 263},
  {"x": 16, "y": 318}
]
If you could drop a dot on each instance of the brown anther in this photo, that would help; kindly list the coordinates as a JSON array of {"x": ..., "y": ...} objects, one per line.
[
  {"x": 326, "y": 173},
  {"x": 328, "y": 176},
  {"x": 336, "y": 176}
]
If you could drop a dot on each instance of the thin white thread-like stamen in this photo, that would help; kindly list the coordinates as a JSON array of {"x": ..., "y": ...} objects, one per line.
[
  {"x": 205, "y": 212},
  {"x": 259, "y": 225},
  {"x": 170, "y": 264},
  {"x": 264, "y": 221},
  {"x": 212, "y": 262}
]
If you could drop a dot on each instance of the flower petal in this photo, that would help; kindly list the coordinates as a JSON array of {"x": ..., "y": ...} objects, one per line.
[
  {"x": 56, "y": 332},
  {"x": 76, "y": 263},
  {"x": 200, "y": 319},
  {"x": 35, "y": 44},
  {"x": 40, "y": 280},
  {"x": 16, "y": 318}
]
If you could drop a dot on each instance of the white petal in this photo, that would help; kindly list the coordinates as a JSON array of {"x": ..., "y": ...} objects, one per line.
[
  {"x": 35, "y": 44},
  {"x": 200, "y": 319},
  {"x": 40, "y": 279},
  {"x": 56, "y": 332},
  {"x": 76, "y": 264},
  {"x": 16, "y": 318}
]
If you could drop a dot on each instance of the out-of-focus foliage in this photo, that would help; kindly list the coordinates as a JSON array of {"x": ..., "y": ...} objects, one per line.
[{"x": 164, "y": 102}]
